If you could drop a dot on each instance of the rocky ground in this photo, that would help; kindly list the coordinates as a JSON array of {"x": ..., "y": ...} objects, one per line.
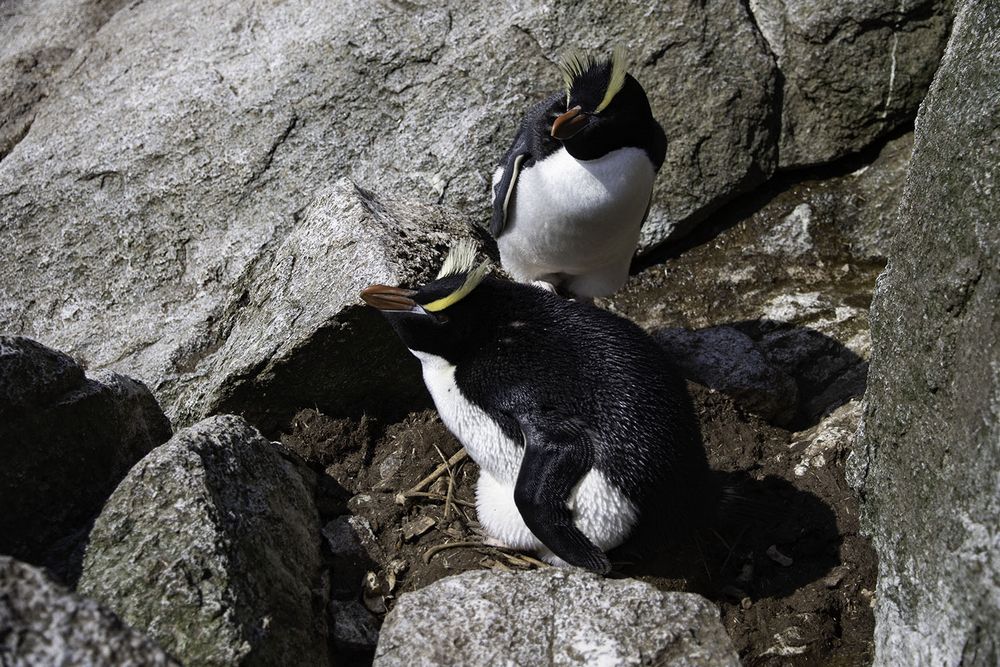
[
  {"x": 213, "y": 453},
  {"x": 766, "y": 310}
]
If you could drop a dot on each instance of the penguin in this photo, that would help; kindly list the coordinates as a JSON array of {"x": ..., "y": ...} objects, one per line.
[
  {"x": 579, "y": 423},
  {"x": 573, "y": 190}
]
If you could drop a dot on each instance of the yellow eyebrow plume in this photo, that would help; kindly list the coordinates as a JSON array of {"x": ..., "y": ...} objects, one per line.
[
  {"x": 617, "y": 80},
  {"x": 575, "y": 63},
  {"x": 460, "y": 259}
]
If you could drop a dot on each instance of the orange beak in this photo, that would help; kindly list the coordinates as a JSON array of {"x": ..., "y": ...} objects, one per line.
[
  {"x": 569, "y": 123},
  {"x": 384, "y": 297}
]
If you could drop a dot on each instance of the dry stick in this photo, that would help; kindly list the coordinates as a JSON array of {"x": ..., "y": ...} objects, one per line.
[
  {"x": 455, "y": 458},
  {"x": 451, "y": 484},
  {"x": 516, "y": 560},
  {"x": 731, "y": 549},
  {"x": 438, "y": 496},
  {"x": 448, "y": 545},
  {"x": 534, "y": 561},
  {"x": 447, "y": 500}
]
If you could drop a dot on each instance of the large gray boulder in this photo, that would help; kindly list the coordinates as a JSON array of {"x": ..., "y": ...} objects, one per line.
[
  {"x": 852, "y": 70},
  {"x": 211, "y": 546},
  {"x": 65, "y": 442},
  {"x": 551, "y": 617},
  {"x": 41, "y": 623},
  {"x": 294, "y": 331},
  {"x": 36, "y": 38},
  {"x": 182, "y": 144},
  {"x": 928, "y": 448}
]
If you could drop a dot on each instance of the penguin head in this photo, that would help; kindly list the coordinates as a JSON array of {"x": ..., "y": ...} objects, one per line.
[
  {"x": 605, "y": 106},
  {"x": 447, "y": 315}
]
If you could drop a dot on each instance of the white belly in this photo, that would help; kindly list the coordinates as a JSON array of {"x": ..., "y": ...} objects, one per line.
[
  {"x": 578, "y": 218},
  {"x": 600, "y": 510}
]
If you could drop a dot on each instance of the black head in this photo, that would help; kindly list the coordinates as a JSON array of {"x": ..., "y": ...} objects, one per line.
[
  {"x": 456, "y": 314},
  {"x": 606, "y": 108}
]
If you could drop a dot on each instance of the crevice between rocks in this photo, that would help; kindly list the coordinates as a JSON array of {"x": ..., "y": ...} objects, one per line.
[
  {"x": 18, "y": 138},
  {"x": 728, "y": 211}
]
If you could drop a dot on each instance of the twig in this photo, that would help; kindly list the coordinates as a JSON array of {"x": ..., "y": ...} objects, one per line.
[
  {"x": 438, "y": 496},
  {"x": 455, "y": 458},
  {"x": 731, "y": 549},
  {"x": 448, "y": 545},
  {"x": 451, "y": 483},
  {"x": 534, "y": 561}
]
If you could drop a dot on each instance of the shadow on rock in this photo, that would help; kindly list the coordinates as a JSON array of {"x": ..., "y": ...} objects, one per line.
[
  {"x": 370, "y": 373},
  {"x": 792, "y": 376}
]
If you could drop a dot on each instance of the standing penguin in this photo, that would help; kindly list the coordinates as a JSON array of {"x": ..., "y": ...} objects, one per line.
[
  {"x": 571, "y": 194},
  {"x": 575, "y": 416}
]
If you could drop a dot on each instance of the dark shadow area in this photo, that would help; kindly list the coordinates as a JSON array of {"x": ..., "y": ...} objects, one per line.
[
  {"x": 791, "y": 376},
  {"x": 715, "y": 221},
  {"x": 780, "y": 553},
  {"x": 769, "y": 540},
  {"x": 353, "y": 366},
  {"x": 345, "y": 553}
]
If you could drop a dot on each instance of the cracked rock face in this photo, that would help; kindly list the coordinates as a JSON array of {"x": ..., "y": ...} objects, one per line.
[
  {"x": 211, "y": 546},
  {"x": 853, "y": 70},
  {"x": 555, "y": 616},
  {"x": 293, "y": 330},
  {"x": 928, "y": 447},
  {"x": 181, "y": 145},
  {"x": 65, "y": 441},
  {"x": 41, "y": 623},
  {"x": 36, "y": 38}
]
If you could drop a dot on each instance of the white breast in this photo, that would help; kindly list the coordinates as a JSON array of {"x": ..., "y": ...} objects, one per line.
[
  {"x": 600, "y": 510},
  {"x": 577, "y": 217},
  {"x": 477, "y": 431}
]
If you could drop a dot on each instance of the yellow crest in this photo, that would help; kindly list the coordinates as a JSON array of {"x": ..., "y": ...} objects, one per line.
[
  {"x": 574, "y": 64},
  {"x": 461, "y": 259}
]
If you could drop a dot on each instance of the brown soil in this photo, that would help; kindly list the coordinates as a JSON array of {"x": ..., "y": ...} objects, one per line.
[
  {"x": 813, "y": 611},
  {"x": 791, "y": 575}
]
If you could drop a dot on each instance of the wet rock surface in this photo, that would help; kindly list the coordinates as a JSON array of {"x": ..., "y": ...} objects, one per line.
[
  {"x": 211, "y": 545},
  {"x": 42, "y": 623},
  {"x": 929, "y": 447},
  {"x": 66, "y": 440},
  {"x": 551, "y": 617}
]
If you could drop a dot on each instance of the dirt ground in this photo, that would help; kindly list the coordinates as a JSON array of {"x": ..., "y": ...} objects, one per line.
[
  {"x": 791, "y": 267},
  {"x": 788, "y": 571}
]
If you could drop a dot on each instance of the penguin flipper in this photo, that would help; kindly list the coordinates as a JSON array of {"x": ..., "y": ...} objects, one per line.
[
  {"x": 557, "y": 454},
  {"x": 504, "y": 190}
]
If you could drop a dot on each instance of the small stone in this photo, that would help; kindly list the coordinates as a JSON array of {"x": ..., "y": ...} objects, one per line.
[
  {"x": 342, "y": 539},
  {"x": 778, "y": 557},
  {"x": 354, "y": 627},
  {"x": 414, "y": 528},
  {"x": 836, "y": 575}
]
